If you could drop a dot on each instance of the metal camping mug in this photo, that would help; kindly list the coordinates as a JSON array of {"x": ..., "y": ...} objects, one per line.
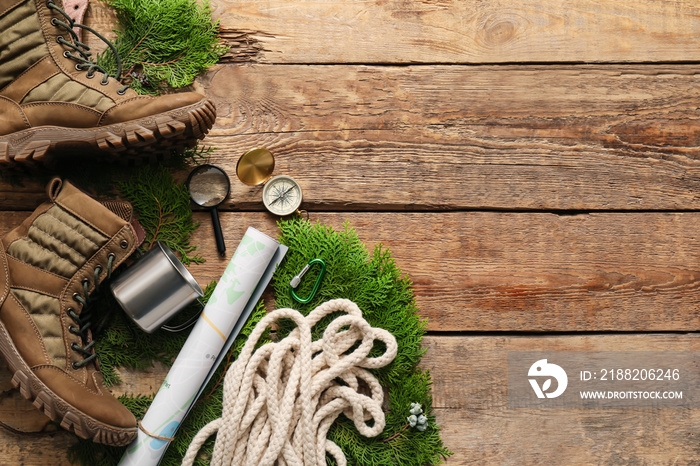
[{"x": 155, "y": 288}]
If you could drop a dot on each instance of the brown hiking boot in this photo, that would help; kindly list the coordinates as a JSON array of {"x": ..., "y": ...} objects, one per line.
[
  {"x": 54, "y": 98},
  {"x": 49, "y": 265}
]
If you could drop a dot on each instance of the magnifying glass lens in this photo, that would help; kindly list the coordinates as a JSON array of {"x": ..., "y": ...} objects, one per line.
[{"x": 208, "y": 186}]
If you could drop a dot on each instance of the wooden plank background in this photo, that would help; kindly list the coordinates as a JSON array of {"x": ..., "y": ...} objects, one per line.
[
  {"x": 454, "y": 31},
  {"x": 534, "y": 167}
]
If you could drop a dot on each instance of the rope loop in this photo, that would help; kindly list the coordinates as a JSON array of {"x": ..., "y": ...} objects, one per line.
[{"x": 280, "y": 400}]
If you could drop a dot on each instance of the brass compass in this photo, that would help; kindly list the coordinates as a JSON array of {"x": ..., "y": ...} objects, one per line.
[{"x": 282, "y": 194}]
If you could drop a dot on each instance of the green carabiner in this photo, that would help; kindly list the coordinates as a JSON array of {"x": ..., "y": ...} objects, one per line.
[{"x": 296, "y": 280}]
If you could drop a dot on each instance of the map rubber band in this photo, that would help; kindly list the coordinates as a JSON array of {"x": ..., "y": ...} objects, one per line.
[{"x": 158, "y": 437}]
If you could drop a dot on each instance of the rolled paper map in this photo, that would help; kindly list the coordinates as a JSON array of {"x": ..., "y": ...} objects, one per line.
[{"x": 252, "y": 261}]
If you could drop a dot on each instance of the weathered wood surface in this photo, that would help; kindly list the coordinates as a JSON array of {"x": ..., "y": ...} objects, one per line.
[
  {"x": 526, "y": 272},
  {"x": 519, "y": 272},
  {"x": 455, "y": 137},
  {"x": 471, "y": 399},
  {"x": 464, "y": 172},
  {"x": 522, "y": 272},
  {"x": 470, "y": 391},
  {"x": 453, "y": 31},
  {"x": 452, "y": 137}
]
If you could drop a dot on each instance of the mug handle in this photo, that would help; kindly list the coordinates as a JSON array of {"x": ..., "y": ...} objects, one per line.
[{"x": 185, "y": 325}]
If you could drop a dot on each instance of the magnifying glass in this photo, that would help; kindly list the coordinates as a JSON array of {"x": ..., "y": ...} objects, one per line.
[{"x": 209, "y": 187}]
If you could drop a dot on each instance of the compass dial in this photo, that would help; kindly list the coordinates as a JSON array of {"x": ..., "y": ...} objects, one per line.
[{"x": 282, "y": 195}]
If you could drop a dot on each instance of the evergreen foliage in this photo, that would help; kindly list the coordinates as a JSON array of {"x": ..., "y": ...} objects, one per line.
[
  {"x": 385, "y": 296},
  {"x": 164, "y": 211},
  {"x": 163, "y": 43}
]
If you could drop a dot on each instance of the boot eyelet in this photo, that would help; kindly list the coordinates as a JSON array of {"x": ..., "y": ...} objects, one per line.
[
  {"x": 59, "y": 39},
  {"x": 85, "y": 282},
  {"x": 72, "y": 329},
  {"x": 124, "y": 244},
  {"x": 77, "y": 67},
  {"x": 120, "y": 92},
  {"x": 65, "y": 53},
  {"x": 90, "y": 75},
  {"x": 74, "y": 346},
  {"x": 75, "y": 365},
  {"x": 76, "y": 296},
  {"x": 112, "y": 255},
  {"x": 54, "y": 21}
]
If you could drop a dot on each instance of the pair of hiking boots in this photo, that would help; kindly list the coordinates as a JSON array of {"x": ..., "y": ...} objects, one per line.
[{"x": 54, "y": 98}]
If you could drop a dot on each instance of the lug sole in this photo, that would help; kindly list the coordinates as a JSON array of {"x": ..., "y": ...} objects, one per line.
[
  {"x": 145, "y": 140},
  {"x": 43, "y": 398}
]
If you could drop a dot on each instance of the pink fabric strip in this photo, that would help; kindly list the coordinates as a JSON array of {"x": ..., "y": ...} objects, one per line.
[{"x": 76, "y": 10}]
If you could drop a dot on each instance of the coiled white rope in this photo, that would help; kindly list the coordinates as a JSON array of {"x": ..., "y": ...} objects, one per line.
[{"x": 280, "y": 400}]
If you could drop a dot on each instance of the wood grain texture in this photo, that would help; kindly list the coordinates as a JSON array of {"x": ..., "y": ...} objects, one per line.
[
  {"x": 451, "y": 31},
  {"x": 454, "y": 137},
  {"x": 36, "y": 450},
  {"x": 470, "y": 398},
  {"x": 524, "y": 272},
  {"x": 450, "y": 137},
  {"x": 518, "y": 272},
  {"x": 457, "y": 133},
  {"x": 470, "y": 391}
]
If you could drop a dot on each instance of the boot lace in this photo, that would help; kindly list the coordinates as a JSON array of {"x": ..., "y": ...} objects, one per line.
[
  {"x": 83, "y": 320},
  {"x": 82, "y": 52}
]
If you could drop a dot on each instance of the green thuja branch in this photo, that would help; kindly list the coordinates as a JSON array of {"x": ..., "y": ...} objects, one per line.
[
  {"x": 385, "y": 296},
  {"x": 163, "y": 43},
  {"x": 163, "y": 209}
]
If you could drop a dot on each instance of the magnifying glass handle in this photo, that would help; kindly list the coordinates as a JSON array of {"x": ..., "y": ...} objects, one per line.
[{"x": 217, "y": 232}]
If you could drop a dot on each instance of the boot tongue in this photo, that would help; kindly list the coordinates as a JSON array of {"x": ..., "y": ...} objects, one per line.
[
  {"x": 125, "y": 211},
  {"x": 140, "y": 231},
  {"x": 122, "y": 209},
  {"x": 95, "y": 380}
]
